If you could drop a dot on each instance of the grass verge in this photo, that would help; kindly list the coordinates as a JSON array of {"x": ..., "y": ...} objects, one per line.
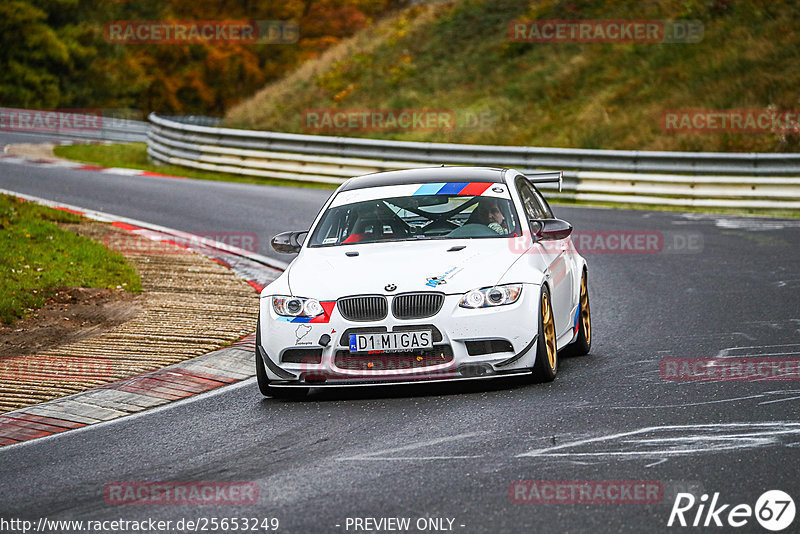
[
  {"x": 458, "y": 56},
  {"x": 36, "y": 257},
  {"x": 134, "y": 156}
]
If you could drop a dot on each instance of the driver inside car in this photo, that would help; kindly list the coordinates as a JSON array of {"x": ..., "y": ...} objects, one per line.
[{"x": 488, "y": 212}]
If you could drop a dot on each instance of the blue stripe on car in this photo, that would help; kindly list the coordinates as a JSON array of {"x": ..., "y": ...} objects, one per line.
[
  {"x": 429, "y": 189},
  {"x": 294, "y": 319},
  {"x": 577, "y": 315},
  {"x": 452, "y": 188}
]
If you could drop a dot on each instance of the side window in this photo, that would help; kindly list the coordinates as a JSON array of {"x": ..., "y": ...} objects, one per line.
[
  {"x": 533, "y": 209},
  {"x": 548, "y": 213}
]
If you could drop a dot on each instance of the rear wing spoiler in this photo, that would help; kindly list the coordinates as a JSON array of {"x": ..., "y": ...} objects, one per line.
[{"x": 546, "y": 177}]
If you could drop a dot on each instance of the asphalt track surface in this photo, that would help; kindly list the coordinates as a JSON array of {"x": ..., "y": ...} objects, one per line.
[{"x": 453, "y": 451}]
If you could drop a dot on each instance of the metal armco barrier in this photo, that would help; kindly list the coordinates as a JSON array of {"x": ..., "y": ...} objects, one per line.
[{"x": 622, "y": 176}]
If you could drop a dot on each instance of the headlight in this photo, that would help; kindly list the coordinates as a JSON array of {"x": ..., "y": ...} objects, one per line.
[
  {"x": 296, "y": 306},
  {"x": 491, "y": 296}
]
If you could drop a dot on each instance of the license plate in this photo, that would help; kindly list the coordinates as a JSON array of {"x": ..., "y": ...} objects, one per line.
[{"x": 391, "y": 341}]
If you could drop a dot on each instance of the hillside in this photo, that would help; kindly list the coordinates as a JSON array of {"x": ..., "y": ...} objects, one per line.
[
  {"x": 456, "y": 58},
  {"x": 128, "y": 58}
]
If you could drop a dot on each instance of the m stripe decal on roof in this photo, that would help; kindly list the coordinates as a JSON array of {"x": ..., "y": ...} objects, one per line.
[
  {"x": 453, "y": 188},
  {"x": 428, "y": 189},
  {"x": 475, "y": 188}
]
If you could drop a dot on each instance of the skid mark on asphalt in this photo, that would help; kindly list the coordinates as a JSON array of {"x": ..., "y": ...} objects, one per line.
[
  {"x": 784, "y": 349},
  {"x": 778, "y": 400},
  {"x": 795, "y": 282},
  {"x": 765, "y": 329},
  {"x": 709, "y": 335},
  {"x": 751, "y": 224},
  {"x": 661, "y": 442},
  {"x": 682, "y": 405},
  {"x": 718, "y": 401},
  {"x": 385, "y": 454}
]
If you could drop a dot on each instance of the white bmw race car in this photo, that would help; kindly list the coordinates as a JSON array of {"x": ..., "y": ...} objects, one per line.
[{"x": 446, "y": 273}]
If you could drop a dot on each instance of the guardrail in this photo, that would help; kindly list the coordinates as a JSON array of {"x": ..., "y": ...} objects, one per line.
[
  {"x": 70, "y": 123},
  {"x": 674, "y": 178}
]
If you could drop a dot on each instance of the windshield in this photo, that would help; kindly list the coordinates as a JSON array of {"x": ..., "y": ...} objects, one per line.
[{"x": 400, "y": 218}]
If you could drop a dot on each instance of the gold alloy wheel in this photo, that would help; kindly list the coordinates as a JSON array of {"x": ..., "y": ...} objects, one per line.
[
  {"x": 549, "y": 330},
  {"x": 586, "y": 317}
]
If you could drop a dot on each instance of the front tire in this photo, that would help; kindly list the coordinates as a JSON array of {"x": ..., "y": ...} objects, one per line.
[
  {"x": 263, "y": 381},
  {"x": 546, "y": 366},
  {"x": 261, "y": 374}
]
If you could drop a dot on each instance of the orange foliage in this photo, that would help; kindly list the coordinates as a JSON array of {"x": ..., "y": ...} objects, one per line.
[{"x": 210, "y": 77}]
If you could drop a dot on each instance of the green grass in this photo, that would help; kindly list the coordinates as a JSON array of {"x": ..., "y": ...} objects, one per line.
[
  {"x": 36, "y": 257},
  {"x": 457, "y": 56},
  {"x": 134, "y": 156}
]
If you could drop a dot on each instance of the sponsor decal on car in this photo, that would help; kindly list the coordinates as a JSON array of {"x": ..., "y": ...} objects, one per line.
[
  {"x": 482, "y": 189},
  {"x": 453, "y": 188},
  {"x": 300, "y": 332},
  {"x": 435, "y": 281},
  {"x": 323, "y": 318}
]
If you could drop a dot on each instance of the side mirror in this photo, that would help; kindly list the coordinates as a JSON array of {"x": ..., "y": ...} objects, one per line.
[
  {"x": 550, "y": 229},
  {"x": 288, "y": 242}
]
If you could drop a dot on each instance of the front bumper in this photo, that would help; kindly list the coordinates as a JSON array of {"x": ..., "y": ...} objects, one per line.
[{"x": 468, "y": 344}]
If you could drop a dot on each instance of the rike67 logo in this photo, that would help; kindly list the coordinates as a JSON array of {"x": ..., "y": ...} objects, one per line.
[{"x": 774, "y": 510}]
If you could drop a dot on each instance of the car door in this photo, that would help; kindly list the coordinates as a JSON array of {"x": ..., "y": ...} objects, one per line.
[
  {"x": 566, "y": 252},
  {"x": 554, "y": 255}
]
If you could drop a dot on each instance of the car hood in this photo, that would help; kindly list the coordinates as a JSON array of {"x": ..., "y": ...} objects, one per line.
[{"x": 326, "y": 273}]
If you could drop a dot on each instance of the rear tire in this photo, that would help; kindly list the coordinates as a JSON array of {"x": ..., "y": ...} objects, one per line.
[
  {"x": 546, "y": 366},
  {"x": 263, "y": 381},
  {"x": 583, "y": 342}
]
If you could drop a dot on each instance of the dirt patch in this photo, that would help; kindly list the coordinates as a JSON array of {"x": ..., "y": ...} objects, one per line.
[
  {"x": 40, "y": 151},
  {"x": 73, "y": 313},
  {"x": 189, "y": 306}
]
